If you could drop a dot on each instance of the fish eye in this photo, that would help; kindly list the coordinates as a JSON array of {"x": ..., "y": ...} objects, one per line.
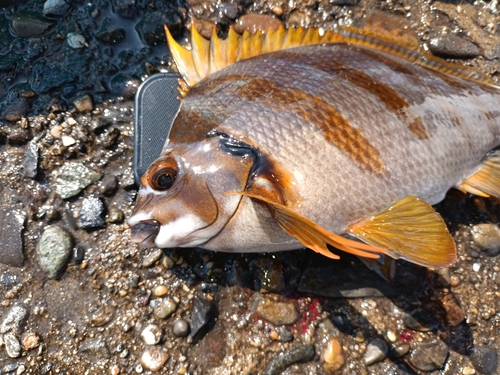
[{"x": 163, "y": 174}]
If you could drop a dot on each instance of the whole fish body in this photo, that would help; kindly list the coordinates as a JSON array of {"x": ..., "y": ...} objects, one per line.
[{"x": 298, "y": 146}]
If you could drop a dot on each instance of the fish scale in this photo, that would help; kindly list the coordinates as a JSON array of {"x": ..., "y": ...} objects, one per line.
[{"x": 304, "y": 146}]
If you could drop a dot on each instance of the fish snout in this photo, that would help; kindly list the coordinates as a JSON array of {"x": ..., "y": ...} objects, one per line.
[{"x": 145, "y": 232}]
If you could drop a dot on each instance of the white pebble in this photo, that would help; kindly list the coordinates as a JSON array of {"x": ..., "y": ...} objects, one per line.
[
  {"x": 67, "y": 140},
  {"x": 476, "y": 267}
]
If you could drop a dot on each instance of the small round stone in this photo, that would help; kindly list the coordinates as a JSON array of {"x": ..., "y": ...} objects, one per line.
[
  {"x": 160, "y": 291},
  {"x": 391, "y": 336},
  {"x": 401, "y": 349},
  {"x": 181, "y": 328},
  {"x": 376, "y": 351},
  {"x": 165, "y": 308},
  {"x": 152, "y": 334},
  {"x": 12, "y": 345},
  {"x": 115, "y": 215},
  {"x": 430, "y": 355},
  {"x": 151, "y": 259},
  {"x": 153, "y": 358},
  {"x": 334, "y": 355},
  {"x": 468, "y": 370},
  {"x": 30, "y": 341},
  {"x": 485, "y": 360}
]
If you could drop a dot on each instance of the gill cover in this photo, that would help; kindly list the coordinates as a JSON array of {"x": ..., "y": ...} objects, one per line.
[{"x": 182, "y": 200}]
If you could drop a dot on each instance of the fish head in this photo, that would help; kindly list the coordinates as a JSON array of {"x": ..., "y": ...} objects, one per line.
[{"x": 183, "y": 200}]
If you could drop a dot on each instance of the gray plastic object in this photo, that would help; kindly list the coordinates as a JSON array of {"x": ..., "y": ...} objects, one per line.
[{"x": 156, "y": 106}]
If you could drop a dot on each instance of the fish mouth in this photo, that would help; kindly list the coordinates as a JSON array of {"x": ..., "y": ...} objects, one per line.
[{"x": 145, "y": 232}]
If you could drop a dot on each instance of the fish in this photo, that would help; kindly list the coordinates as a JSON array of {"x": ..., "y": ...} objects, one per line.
[{"x": 330, "y": 140}]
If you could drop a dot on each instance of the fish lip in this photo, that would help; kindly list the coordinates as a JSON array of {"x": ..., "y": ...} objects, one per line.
[{"x": 144, "y": 232}]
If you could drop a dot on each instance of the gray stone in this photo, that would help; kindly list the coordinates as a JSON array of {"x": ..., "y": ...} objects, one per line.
[
  {"x": 73, "y": 178},
  {"x": 27, "y": 24},
  {"x": 95, "y": 349},
  {"x": 153, "y": 358},
  {"x": 419, "y": 320},
  {"x": 75, "y": 40},
  {"x": 14, "y": 319},
  {"x": 165, "y": 308},
  {"x": 487, "y": 237},
  {"x": 453, "y": 46},
  {"x": 152, "y": 334},
  {"x": 429, "y": 355},
  {"x": 55, "y": 8},
  {"x": 90, "y": 213},
  {"x": 31, "y": 160},
  {"x": 485, "y": 360},
  {"x": 286, "y": 359},
  {"x": 376, "y": 351},
  {"x": 204, "y": 312},
  {"x": 115, "y": 215},
  {"x": 12, "y": 345},
  {"x": 151, "y": 258},
  {"x": 181, "y": 328},
  {"x": 54, "y": 250},
  {"x": 11, "y": 239}
]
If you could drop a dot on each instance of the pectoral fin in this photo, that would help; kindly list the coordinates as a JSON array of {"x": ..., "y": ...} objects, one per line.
[
  {"x": 311, "y": 234},
  {"x": 486, "y": 181},
  {"x": 411, "y": 230}
]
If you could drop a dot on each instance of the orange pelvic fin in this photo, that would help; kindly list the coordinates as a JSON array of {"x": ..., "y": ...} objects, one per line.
[
  {"x": 486, "y": 181},
  {"x": 311, "y": 234},
  {"x": 410, "y": 229}
]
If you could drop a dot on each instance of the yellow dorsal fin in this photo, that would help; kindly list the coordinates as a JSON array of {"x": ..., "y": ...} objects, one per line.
[
  {"x": 312, "y": 235},
  {"x": 209, "y": 56},
  {"x": 486, "y": 181},
  {"x": 411, "y": 230}
]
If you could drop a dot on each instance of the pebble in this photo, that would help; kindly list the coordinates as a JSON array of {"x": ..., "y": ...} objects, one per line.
[
  {"x": 467, "y": 370},
  {"x": 73, "y": 178},
  {"x": 376, "y": 351},
  {"x": 84, "y": 103},
  {"x": 115, "y": 215},
  {"x": 14, "y": 319},
  {"x": 255, "y": 22},
  {"x": 485, "y": 360},
  {"x": 111, "y": 37},
  {"x": 30, "y": 341},
  {"x": 430, "y": 355},
  {"x": 152, "y": 334},
  {"x": 203, "y": 313},
  {"x": 288, "y": 358},
  {"x": 67, "y": 140},
  {"x": 452, "y": 46},
  {"x": 160, "y": 291},
  {"x": 284, "y": 334},
  {"x": 150, "y": 27},
  {"x": 153, "y": 358},
  {"x": 167, "y": 262},
  {"x": 53, "y": 250},
  {"x": 277, "y": 312},
  {"x": 90, "y": 213},
  {"x": 75, "y": 40},
  {"x": 102, "y": 316},
  {"x": 165, "y": 308},
  {"x": 487, "y": 237},
  {"x": 391, "y": 336},
  {"x": 18, "y": 138},
  {"x": 28, "y": 24},
  {"x": 31, "y": 160},
  {"x": 401, "y": 349},
  {"x": 334, "y": 355},
  {"x": 419, "y": 320},
  {"x": 12, "y": 345},
  {"x": 95, "y": 349},
  {"x": 152, "y": 257},
  {"x": 109, "y": 185},
  {"x": 55, "y": 8},
  {"x": 229, "y": 10},
  {"x": 181, "y": 328},
  {"x": 11, "y": 236}
]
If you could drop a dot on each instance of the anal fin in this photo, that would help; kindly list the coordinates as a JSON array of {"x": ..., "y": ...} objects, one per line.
[
  {"x": 486, "y": 181},
  {"x": 410, "y": 229},
  {"x": 311, "y": 234}
]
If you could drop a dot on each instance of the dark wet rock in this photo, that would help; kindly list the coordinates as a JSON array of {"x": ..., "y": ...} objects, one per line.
[
  {"x": 430, "y": 355},
  {"x": 27, "y": 24},
  {"x": 12, "y": 345},
  {"x": 203, "y": 315},
  {"x": 151, "y": 334},
  {"x": 276, "y": 311},
  {"x": 84, "y": 103},
  {"x": 152, "y": 257},
  {"x": 151, "y": 30},
  {"x": 102, "y": 316},
  {"x": 452, "y": 46},
  {"x": 3, "y": 91},
  {"x": 254, "y": 22},
  {"x": 14, "y": 319},
  {"x": 18, "y": 137},
  {"x": 154, "y": 358},
  {"x": 399, "y": 350},
  {"x": 485, "y": 360},
  {"x": 75, "y": 40},
  {"x": 115, "y": 215},
  {"x": 8, "y": 279},
  {"x": 419, "y": 320},
  {"x": 11, "y": 367},
  {"x": 95, "y": 349},
  {"x": 342, "y": 322},
  {"x": 270, "y": 274},
  {"x": 487, "y": 237},
  {"x": 286, "y": 359},
  {"x": 31, "y": 160},
  {"x": 111, "y": 37},
  {"x": 11, "y": 236},
  {"x": 55, "y": 8},
  {"x": 16, "y": 110},
  {"x": 376, "y": 351},
  {"x": 344, "y": 2},
  {"x": 165, "y": 308},
  {"x": 124, "y": 8},
  {"x": 73, "y": 178},
  {"x": 284, "y": 334},
  {"x": 210, "y": 351},
  {"x": 181, "y": 328},
  {"x": 91, "y": 213},
  {"x": 47, "y": 76},
  {"x": 110, "y": 137},
  {"x": 454, "y": 312},
  {"x": 228, "y": 10},
  {"x": 54, "y": 250},
  {"x": 109, "y": 185}
]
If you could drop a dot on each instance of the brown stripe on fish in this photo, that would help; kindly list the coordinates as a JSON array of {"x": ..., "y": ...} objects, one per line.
[
  {"x": 386, "y": 94},
  {"x": 336, "y": 129},
  {"x": 190, "y": 126}
]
